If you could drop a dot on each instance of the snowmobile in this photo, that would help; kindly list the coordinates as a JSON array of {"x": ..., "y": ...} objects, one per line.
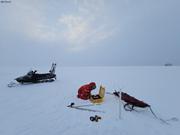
[{"x": 33, "y": 77}]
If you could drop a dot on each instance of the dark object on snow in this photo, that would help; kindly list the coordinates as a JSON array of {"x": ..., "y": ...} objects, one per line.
[
  {"x": 116, "y": 93},
  {"x": 95, "y": 118},
  {"x": 131, "y": 102},
  {"x": 168, "y": 64},
  {"x": 33, "y": 77},
  {"x": 84, "y": 92},
  {"x": 71, "y": 105}
]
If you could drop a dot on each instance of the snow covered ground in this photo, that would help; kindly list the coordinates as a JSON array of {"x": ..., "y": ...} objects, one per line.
[{"x": 40, "y": 109}]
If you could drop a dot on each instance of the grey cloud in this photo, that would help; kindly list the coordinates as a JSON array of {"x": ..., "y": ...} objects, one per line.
[{"x": 135, "y": 33}]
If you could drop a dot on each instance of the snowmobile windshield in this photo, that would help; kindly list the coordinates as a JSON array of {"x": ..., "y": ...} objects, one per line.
[{"x": 30, "y": 73}]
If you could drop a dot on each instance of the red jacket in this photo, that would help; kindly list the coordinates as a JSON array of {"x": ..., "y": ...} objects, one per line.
[{"x": 84, "y": 91}]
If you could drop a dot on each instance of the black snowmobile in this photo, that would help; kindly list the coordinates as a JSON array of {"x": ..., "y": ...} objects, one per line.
[{"x": 33, "y": 77}]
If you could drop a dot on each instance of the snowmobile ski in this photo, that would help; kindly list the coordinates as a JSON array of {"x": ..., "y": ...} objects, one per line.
[
  {"x": 15, "y": 84},
  {"x": 81, "y": 107}
]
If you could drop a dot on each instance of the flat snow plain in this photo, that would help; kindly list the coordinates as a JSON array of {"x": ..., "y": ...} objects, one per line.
[{"x": 40, "y": 109}]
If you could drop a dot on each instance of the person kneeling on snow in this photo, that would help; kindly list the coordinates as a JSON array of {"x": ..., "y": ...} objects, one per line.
[{"x": 84, "y": 91}]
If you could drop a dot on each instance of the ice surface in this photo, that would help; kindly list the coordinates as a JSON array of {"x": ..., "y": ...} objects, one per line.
[{"x": 40, "y": 109}]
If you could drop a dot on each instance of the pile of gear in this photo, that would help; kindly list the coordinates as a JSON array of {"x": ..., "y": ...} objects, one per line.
[
  {"x": 85, "y": 93},
  {"x": 130, "y": 102}
]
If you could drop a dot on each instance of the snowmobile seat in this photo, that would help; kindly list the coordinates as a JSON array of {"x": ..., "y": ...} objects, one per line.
[{"x": 99, "y": 98}]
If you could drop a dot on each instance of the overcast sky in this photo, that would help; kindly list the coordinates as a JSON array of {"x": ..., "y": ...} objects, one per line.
[{"x": 90, "y": 32}]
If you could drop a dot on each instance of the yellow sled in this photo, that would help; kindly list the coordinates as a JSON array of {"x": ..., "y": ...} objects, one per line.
[{"x": 99, "y": 98}]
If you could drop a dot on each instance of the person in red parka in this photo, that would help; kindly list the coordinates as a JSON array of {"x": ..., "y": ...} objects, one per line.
[{"x": 84, "y": 91}]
